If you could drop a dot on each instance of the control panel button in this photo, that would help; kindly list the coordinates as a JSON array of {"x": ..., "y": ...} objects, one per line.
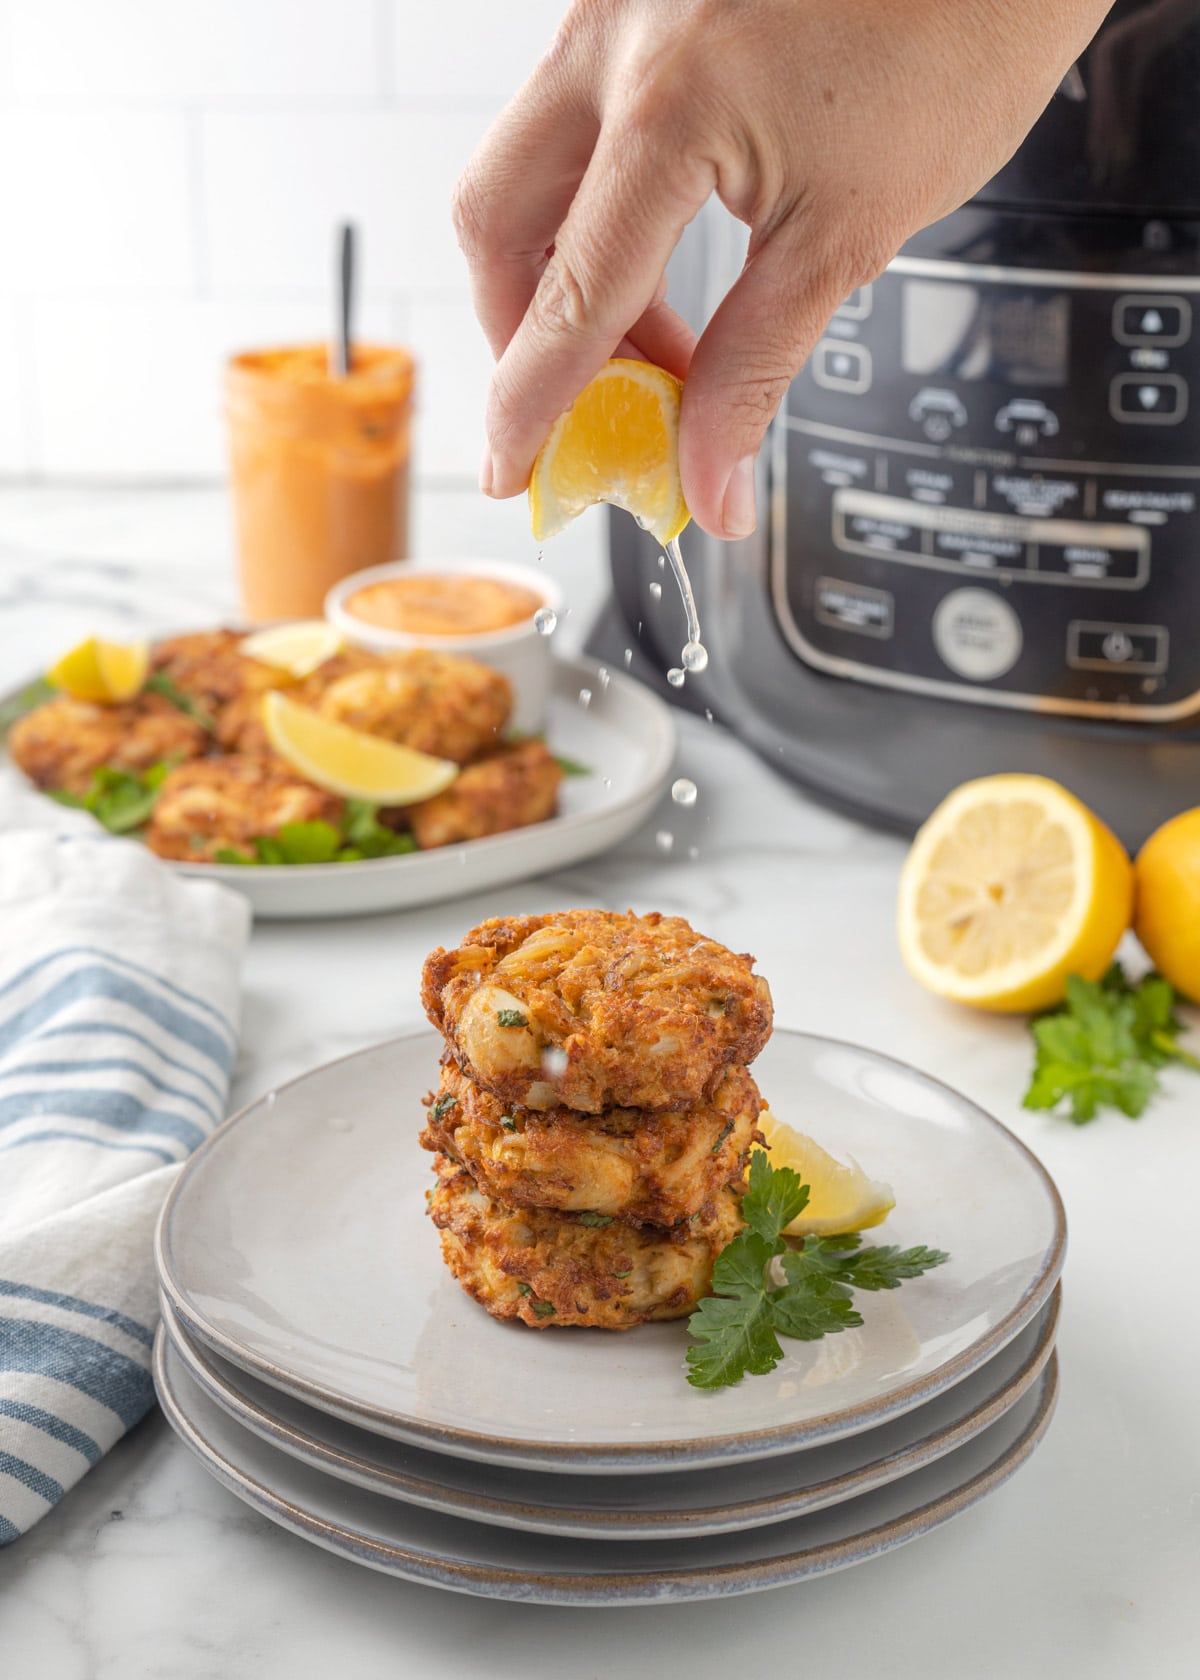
[
  {"x": 1110, "y": 647},
  {"x": 854, "y": 607},
  {"x": 1035, "y": 495},
  {"x": 876, "y": 534},
  {"x": 977, "y": 634},
  {"x": 842, "y": 367},
  {"x": 858, "y": 305},
  {"x": 1096, "y": 562},
  {"x": 935, "y": 485},
  {"x": 938, "y": 412},
  {"x": 1162, "y": 321},
  {"x": 1026, "y": 419},
  {"x": 1148, "y": 399},
  {"x": 983, "y": 550}
]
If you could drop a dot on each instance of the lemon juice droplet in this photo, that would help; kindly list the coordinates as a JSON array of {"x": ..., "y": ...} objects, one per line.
[
  {"x": 694, "y": 657},
  {"x": 545, "y": 621},
  {"x": 656, "y": 590},
  {"x": 603, "y": 676},
  {"x": 585, "y": 697},
  {"x": 676, "y": 676},
  {"x": 664, "y": 840},
  {"x": 684, "y": 791},
  {"x": 628, "y": 657}
]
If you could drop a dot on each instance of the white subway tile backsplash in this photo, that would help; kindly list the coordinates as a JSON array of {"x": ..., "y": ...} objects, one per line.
[
  {"x": 473, "y": 52},
  {"x": 276, "y": 185},
  {"x": 89, "y": 53},
  {"x": 455, "y": 365},
  {"x": 94, "y": 200}
]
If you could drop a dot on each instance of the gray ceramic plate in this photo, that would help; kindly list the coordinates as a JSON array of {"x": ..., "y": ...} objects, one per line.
[
  {"x": 671, "y": 1506},
  {"x": 626, "y": 737},
  {"x": 295, "y": 1244},
  {"x": 469, "y": 1557}
]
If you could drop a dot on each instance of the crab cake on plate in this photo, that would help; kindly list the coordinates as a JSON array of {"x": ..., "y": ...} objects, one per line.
[
  {"x": 655, "y": 1167},
  {"x": 439, "y": 703},
  {"x": 60, "y": 744},
  {"x": 511, "y": 788},
  {"x": 231, "y": 801},
  {"x": 553, "y": 1269},
  {"x": 596, "y": 1009},
  {"x": 210, "y": 668}
]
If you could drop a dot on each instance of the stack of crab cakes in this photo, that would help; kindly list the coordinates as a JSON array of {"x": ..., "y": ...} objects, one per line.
[{"x": 594, "y": 1114}]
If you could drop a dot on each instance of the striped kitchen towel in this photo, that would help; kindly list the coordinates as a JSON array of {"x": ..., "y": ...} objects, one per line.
[{"x": 118, "y": 1022}]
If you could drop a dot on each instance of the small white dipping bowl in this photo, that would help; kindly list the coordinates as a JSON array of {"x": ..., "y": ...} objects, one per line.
[{"x": 520, "y": 651}]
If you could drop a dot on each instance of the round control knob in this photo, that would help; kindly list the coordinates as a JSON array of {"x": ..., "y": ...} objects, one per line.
[{"x": 977, "y": 634}]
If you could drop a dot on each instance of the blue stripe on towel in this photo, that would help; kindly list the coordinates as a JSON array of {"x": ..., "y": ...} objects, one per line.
[
  {"x": 57, "y": 1427},
  {"x": 8, "y": 1531},
  {"x": 89, "y": 984},
  {"x": 50, "y": 1490},
  {"x": 46, "y": 1350},
  {"x": 69, "y": 1029},
  {"x": 118, "y": 1109},
  {"x": 72, "y": 1303},
  {"x": 106, "y": 1064},
  {"x": 199, "y": 1003},
  {"x": 167, "y": 1155}
]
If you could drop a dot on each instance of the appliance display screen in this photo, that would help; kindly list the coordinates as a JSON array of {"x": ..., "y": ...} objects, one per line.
[{"x": 961, "y": 332}]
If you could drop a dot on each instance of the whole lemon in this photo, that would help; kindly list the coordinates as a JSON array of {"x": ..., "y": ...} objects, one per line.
[{"x": 1167, "y": 904}]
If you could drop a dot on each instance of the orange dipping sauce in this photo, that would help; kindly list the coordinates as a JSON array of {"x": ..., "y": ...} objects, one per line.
[
  {"x": 444, "y": 604},
  {"x": 319, "y": 471}
]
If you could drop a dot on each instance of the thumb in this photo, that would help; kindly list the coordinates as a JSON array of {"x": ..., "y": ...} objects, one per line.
[{"x": 747, "y": 356}]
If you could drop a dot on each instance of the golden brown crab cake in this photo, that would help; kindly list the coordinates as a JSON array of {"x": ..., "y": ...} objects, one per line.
[
  {"x": 210, "y": 668},
  {"x": 652, "y": 1167},
  {"x": 231, "y": 801},
  {"x": 511, "y": 788},
  {"x": 596, "y": 1009},
  {"x": 549, "y": 1268},
  {"x": 439, "y": 703},
  {"x": 59, "y": 745}
]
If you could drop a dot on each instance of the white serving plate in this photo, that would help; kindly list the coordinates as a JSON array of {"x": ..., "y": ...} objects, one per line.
[
  {"x": 674, "y": 1505},
  {"x": 489, "y": 1562},
  {"x": 295, "y": 1244},
  {"x": 625, "y": 735}
]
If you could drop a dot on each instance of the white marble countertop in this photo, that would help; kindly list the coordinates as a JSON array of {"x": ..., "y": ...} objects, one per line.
[{"x": 1084, "y": 1564}]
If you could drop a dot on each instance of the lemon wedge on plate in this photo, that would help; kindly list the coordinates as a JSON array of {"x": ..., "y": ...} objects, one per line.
[
  {"x": 618, "y": 442},
  {"x": 840, "y": 1195},
  {"x": 348, "y": 761},
  {"x": 1011, "y": 886},
  {"x": 297, "y": 649},
  {"x": 103, "y": 672}
]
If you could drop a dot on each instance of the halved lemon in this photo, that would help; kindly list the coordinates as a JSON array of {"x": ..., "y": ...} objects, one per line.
[
  {"x": 103, "y": 672},
  {"x": 1011, "y": 886},
  {"x": 618, "y": 442},
  {"x": 297, "y": 649},
  {"x": 348, "y": 761},
  {"x": 1167, "y": 922},
  {"x": 840, "y": 1195}
]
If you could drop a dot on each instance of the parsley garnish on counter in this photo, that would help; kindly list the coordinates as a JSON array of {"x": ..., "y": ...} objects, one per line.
[
  {"x": 735, "y": 1330},
  {"x": 1104, "y": 1046},
  {"x": 120, "y": 799}
]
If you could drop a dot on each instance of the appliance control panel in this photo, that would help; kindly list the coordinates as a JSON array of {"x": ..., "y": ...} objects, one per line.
[{"x": 986, "y": 483}]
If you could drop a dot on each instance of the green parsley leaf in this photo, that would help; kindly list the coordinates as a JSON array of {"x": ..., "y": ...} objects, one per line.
[
  {"x": 161, "y": 683},
  {"x": 442, "y": 1104},
  {"x": 626, "y": 1273},
  {"x": 1103, "y": 1047},
  {"x": 508, "y": 1122},
  {"x": 572, "y": 766},
  {"x": 543, "y": 1309},
  {"x": 227, "y": 854},
  {"x": 524, "y": 1288},
  {"x": 735, "y": 1330},
  {"x": 121, "y": 800},
  {"x": 721, "y": 1136},
  {"x": 597, "y": 1221},
  {"x": 308, "y": 842},
  {"x": 28, "y": 699},
  {"x": 368, "y": 837},
  {"x": 511, "y": 1018}
]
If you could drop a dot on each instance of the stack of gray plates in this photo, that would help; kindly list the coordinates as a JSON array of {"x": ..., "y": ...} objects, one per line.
[{"x": 321, "y": 1362}]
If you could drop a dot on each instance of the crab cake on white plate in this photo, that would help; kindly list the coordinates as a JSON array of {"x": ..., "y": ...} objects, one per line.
[
  {"x": 643, "y": 1167},
  {"x": 551, "y": 1269},
  {"x": 596, "y": 1009},
  {"x": 61, "y": 744}
]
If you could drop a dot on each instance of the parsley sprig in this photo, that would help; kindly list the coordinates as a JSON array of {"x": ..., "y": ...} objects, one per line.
[
  {"x": 122, "y": 800},
  {"x": 166, "y": 686},
  {"x": 1104, "y": 1047},
  {"x": 361, "y": 835},
  {"x": 735, "y": 1331}
]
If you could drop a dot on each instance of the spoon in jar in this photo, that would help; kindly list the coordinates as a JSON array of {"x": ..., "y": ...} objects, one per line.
[{"x": 339, "y": 350}]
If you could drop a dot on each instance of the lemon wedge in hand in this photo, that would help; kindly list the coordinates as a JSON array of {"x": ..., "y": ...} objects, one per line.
[
  {"x": 297, "y": 649},
  {"x": 1011, "y": 886},
  {"x": 348, "y": 761},
  {"x": 103, "y": 672},
  {"x": 618, "y": 442},
  {"x": 840, "y": 1196}
]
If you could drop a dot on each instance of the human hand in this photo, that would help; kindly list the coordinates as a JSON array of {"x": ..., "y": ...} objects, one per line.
[{"x": 833, "y": 128}]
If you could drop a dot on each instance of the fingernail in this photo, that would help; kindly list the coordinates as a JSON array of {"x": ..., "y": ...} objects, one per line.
[
  {"x": 486, "y": 471},
  {"x": 738, "y": 516}
]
